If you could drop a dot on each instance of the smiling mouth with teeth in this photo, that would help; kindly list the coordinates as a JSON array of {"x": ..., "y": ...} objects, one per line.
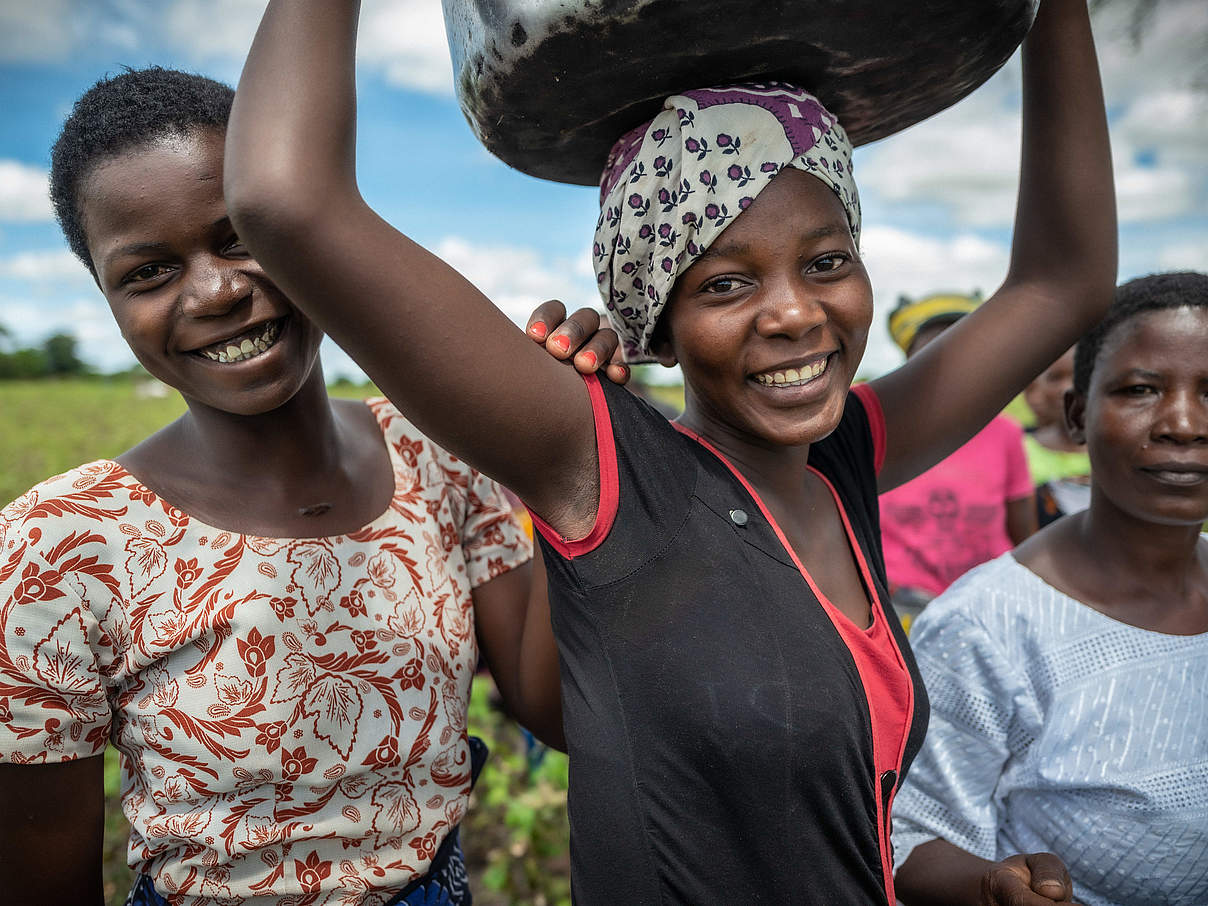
[
  {"x": 245, "y": 346},
  {"x": 792, "y": 377}
]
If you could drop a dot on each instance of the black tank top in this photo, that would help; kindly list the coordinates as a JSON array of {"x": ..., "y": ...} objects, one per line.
[{"x": 721, "y": 738}]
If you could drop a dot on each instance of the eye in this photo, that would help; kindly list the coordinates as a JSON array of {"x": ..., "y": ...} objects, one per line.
[
  {"x": 721, "y": 286},
  {"x": 1137, "y": 389},
  {"x": 829, "y": 262},
  {"x": 146, "y": 274},
  {"x": 235, "y": 248}
]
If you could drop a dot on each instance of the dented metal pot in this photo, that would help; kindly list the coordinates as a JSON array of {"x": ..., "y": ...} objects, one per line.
[{"x": 549, "y": 85}]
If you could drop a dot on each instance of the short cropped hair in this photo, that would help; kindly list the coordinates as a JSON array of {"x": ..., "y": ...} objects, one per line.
[
  {"x": 1157, "y": 292},
  {"x": 120, "y": 114}
]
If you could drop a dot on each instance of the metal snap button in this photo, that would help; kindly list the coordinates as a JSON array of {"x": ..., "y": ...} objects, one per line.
[{"x": 738, "y": 517}]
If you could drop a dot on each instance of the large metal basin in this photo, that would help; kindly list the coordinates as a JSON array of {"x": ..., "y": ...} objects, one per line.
[{"x": 549, "y": 85}]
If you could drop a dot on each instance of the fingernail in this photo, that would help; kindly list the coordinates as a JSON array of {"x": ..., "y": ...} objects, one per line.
[
  {"x": 590, "y": 357},
  {"x": 562, "y": 344},
  {"x": 539, "y": 330}
]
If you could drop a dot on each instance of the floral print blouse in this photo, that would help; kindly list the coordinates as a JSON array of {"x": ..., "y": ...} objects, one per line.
[{"x": 291, "y": 712}]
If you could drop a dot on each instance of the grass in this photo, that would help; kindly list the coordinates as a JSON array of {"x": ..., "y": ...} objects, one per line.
[{"x": 48, "y": 427}]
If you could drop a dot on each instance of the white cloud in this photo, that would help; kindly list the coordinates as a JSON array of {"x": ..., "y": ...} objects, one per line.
[
  {"x": 966, "y": 158},
  {"x": 518, "y": 278},
  {"x": 1171, "y": 124},
  {"x": 405, "y": 39},
  {"x": 1145, "y": 194},
  {"x": 904, "y": 263},
  {"x": 1185, "y": 256},
  {"x": 37, "y": 31},
  {"x": 1170, "y": 53},
  {"x": 58, "y": 267},
  {"x": 23, "y": 192},
  {"x": 211, "y": 29}
]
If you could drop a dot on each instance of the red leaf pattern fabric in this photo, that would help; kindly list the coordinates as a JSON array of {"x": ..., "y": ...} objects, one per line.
[{"x": 284, "y": 707}]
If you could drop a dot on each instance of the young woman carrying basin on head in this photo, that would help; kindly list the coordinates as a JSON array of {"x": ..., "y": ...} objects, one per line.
[
  {"x": 739, "y": 705},
  {"x": 272, "y": 607}
]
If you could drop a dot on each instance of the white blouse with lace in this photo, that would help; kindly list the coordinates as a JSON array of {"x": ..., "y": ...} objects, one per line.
[{"x": 1056, "y": 728}]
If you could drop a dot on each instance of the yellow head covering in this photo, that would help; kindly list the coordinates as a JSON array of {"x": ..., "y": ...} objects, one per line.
[{"x": 910, "y": 317}]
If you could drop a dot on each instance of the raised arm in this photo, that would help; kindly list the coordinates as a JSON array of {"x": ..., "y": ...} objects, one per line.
[
  {"x": 1063, "y": 260},
  {"x": 500, "y": 403}
]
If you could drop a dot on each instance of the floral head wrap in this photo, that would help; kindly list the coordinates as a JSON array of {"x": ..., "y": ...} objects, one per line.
[{"x": 672, "y": 186}]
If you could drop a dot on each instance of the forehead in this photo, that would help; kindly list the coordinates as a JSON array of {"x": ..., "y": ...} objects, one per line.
[
  {"x": 153, "y": 192},
  {"x": 794, "y": 205},
  {"x": 1171, "y": 340}
]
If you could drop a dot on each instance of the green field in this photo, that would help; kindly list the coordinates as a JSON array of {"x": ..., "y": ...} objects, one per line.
[
  {"x": 515, "y": 835},
  {"x": 48, "y": 427}
]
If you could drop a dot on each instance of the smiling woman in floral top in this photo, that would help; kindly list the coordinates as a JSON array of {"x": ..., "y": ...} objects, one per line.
[{"x": 272, "y": 607}]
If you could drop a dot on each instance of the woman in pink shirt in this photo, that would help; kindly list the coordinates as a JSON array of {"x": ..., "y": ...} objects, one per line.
[{"x": 977, "y": 503}]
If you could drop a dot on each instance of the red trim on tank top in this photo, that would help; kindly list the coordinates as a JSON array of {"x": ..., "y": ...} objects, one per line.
[
  {"x": 606, "y": 509},
  {"x": 876, "y": 421},
  {"x": 874, "y": 650}
]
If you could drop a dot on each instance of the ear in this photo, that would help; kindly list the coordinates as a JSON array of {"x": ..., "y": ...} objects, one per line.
[
  {"x": 663, "y": 353},
  {"x": 660, "y": 343},
  {"x": 1075, "y": 415}
]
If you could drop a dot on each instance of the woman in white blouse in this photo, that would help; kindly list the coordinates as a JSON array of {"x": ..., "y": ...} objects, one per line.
[{"x": 1069, "y": 680}]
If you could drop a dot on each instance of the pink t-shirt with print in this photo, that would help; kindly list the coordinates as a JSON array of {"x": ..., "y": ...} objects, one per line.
[
  {"x": 291, "y": 713},
  {"x": 938, "y": 526}
]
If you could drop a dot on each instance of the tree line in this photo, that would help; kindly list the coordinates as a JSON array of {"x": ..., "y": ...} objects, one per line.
[{"x": 56, "y": 356}]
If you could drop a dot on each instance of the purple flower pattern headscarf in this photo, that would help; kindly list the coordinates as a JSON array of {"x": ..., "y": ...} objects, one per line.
[{"x": 672, "y": 186}]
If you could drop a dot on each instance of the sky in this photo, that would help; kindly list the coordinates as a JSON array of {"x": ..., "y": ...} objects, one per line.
[{"x": 938, "y": 198}]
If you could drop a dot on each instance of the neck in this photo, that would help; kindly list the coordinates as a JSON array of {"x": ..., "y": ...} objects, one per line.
[
  {"x": 1140, "y": 558},
  {"x": 1055, "y": 437},
  {"x": 299, "y": 437},
  {"x": 773, "y": 469}
]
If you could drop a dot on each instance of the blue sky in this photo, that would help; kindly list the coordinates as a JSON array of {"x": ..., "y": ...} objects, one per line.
[{"x": 938, "y": 198}]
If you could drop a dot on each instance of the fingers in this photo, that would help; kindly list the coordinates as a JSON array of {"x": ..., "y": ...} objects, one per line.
[
  {"x": 618, "y": 372},
  {"x": 544, "y": 319},
  {"x": 1037, "y": 879},
  {"x": 579, "y": 336},
  {"x": 1050, "y": 877}
]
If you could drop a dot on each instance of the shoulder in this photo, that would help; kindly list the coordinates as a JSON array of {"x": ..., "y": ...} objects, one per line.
[
  {"x": 397, "y": 428},
  {"x": 633, "y": 436},
  {"x": 623, "y": 407},
  {"x": 1000, "y": 605},
  {"x": 411, "y": 448},
  {"x": 420, "y": 461},
  {"x": 998, "y": 584},
  {"x": 66, "y": 522},
  {"x": 94, "y": 493},
  {"x": 59, "y": 543},
  {"x": 1005, "y": 428},
  {"x": 852, "y": 454}
]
